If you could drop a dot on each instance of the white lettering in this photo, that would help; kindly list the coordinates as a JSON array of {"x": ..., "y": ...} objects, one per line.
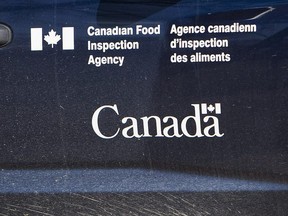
[
  {"x": 196, "y": 120},
  {"x": 133, "y": 127},
  {"x": 195, "y": 125},
  {"x": 215, "y": 125},
  {"x": 95, "y": 121},
  {"x": 146, "y": 126},
  {"x": 174, "y": 127}
]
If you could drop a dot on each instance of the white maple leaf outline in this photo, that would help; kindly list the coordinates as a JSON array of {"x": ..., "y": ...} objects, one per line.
[{"x": 52, "y": 38}]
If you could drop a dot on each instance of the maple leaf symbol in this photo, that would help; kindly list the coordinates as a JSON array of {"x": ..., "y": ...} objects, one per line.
[
  {"x": 211, "y": 108},
  {"x": 52, "y": 38}
]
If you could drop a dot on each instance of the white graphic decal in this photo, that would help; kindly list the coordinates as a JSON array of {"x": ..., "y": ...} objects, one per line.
[
  {"x": 36, "y": 39},
  {"x": 205, "y": 109},
  {"x": 200, "y": 122},
  {"x": 52, "y": 38},
  {"x": 68, "y": 38}
]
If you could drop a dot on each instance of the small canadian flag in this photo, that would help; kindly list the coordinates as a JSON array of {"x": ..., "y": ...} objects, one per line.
[
  {"x": 216, "y": 108},
  {"x": 52, "y": 38}
]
